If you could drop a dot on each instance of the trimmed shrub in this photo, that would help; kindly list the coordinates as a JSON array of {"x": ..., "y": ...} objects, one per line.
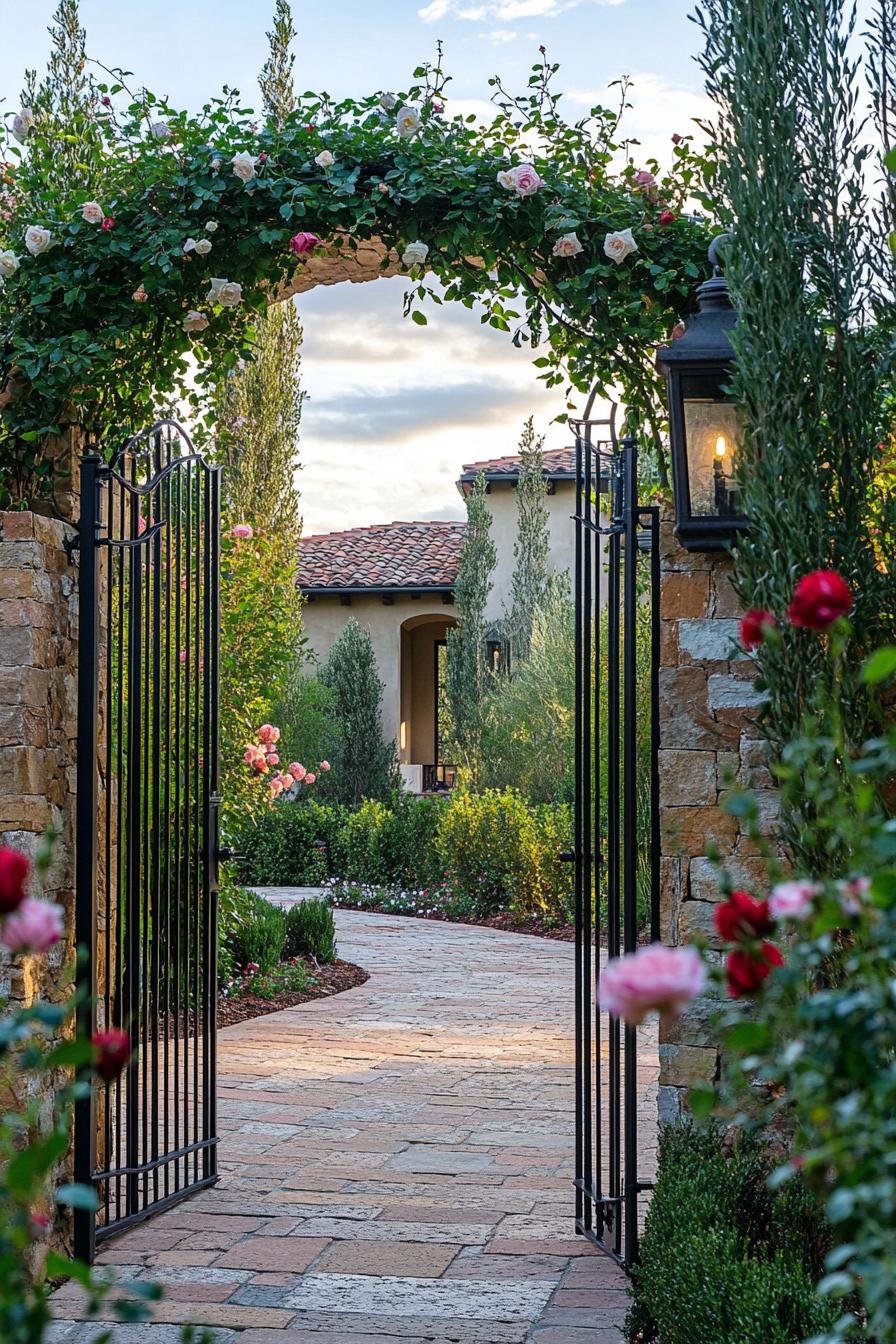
[
  {"x": 258, "y": 939},
  {"x": 408, "y": 841},
  {"x": 361, "y": 853},
  {"x": 311, "y": 931},
  {"x": 292, "y": 845},
  {"x": 497, "y": 850},
  {"x": 723, "y": 1257}
]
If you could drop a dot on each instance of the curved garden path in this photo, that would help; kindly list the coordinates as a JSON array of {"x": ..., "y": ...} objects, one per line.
[{"x": 395, "y": 1162}]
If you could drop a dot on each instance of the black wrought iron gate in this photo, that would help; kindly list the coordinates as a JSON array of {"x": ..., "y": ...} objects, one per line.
[
  {"x": 147, "y": 827},
  {"x": 616, "y": 849}
]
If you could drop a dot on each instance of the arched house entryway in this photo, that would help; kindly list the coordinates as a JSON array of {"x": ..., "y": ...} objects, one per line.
[{"x": 397, "y": 581}]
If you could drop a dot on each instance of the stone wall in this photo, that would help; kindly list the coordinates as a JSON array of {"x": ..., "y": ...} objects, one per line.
[
  {"x": 38, "y": 630},
  {"x": 708, "y": 742}
]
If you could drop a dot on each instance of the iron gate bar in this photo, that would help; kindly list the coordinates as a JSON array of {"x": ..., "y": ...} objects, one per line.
[
  {"x": 608, "y": 845},
  {"x": 150, "y": 529}
]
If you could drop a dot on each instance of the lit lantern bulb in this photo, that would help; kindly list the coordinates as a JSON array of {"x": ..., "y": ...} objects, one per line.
[{"x": 721, "y": 446}]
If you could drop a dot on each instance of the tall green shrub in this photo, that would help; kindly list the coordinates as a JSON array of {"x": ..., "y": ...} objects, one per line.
[
  {"x": 530, "y": 551},
  {"x": 812, "y": 275},
  {"x": 311, "y": 931},
  {"x": 259, "y": 937},
  {"x": 364, "y": 765},
  {"x": 530, "y": 715},
  {"x": 467, "y": 674}
]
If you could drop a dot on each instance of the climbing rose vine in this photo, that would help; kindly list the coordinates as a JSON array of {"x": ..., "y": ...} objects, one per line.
[{"x": 144, "y": 285}]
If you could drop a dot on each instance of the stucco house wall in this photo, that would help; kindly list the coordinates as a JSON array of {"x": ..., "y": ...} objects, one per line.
[{"x": 324, "y": 618}]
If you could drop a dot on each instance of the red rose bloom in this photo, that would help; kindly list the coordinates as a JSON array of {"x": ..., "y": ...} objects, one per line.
[
  {"x": 108, "y": 223},
  {"x": 742, "y": 917},
  {"x": 112, "y": 1050},
  {"x": 754, "y": 627},
  {"x": 746, "y": 971},
  {"x": 14, "y": 870},
  {"x": 820, "y": 599},
  {"x": 667, "y": 217}
]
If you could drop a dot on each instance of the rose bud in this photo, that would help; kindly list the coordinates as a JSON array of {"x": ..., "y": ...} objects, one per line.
[
  {"x": 14, "y": 870},
  {"x": 755, "y": 626},
  {"x": 112, "y": 1050},
  {"x": 820, "y": 599},
  {"x": 745, "y": 971}
]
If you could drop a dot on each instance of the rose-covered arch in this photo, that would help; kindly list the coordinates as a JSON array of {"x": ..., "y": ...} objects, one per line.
[{"x": 139, "y": 285}]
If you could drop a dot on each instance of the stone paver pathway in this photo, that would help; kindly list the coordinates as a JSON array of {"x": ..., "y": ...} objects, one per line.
[{"x": 395, "y": 1163}]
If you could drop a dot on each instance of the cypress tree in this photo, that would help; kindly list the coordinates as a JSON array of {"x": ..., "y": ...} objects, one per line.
[
  {"x": 467, "y": 673},
  {"x": 530, "y": 551},
  {"x": 364, "y": 765}
]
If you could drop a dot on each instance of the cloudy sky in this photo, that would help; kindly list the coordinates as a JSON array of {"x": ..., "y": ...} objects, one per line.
[{"x": 394, "y": 409}]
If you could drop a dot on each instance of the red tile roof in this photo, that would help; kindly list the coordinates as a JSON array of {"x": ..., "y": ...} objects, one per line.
[
  {"x": 387, "y": 556},
  {"x": 558, "y": 462}
]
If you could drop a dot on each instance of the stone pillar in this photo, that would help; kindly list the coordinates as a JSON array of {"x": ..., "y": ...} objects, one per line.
[
  {"x": 709, "y": 742},
  {"x": 38, "y": 630}
]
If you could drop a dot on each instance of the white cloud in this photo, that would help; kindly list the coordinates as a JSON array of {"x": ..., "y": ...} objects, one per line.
[
  {"x": 500, "y": 36},
  {"x": 504, "y": 11},
  {"x": 435, "y": 11}
]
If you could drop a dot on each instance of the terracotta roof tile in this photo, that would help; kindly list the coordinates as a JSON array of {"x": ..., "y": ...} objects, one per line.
[
  {"x": 390, "y": 555},
  {"x": 557, "y": 462}
]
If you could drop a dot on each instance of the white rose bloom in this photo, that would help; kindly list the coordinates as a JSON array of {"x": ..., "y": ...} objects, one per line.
[
  {"x": 203, "y": 246},
  {"x": 407, "y": 122},
  {"x": 189, "y": 244},
  {"x": 567, "y": 246},
  {"x": 9, "y": 263},
  {"x": 325, "y": 159},
  {"x": 415, "y": 254},
  {"x": 195, "y": 321},
  {"x": 160, "y": 130},
  {"x": 215, "y": 165},
  {"x": 244, "y": 165},
  {"x": 617, "y": 246},
  {"x": 22, "y": 124},
  {"x": 226, "y": 292},
  {"x": 38, "y": 239},
  {"x": 506, "y": 181},
  {"x": 212, "y": 226},
  {"x": 388, "y": 101},
  {"x": 92, "y": 212}
]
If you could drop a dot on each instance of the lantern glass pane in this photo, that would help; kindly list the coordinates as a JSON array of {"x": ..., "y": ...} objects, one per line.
[{"x": 712, "y": 436}]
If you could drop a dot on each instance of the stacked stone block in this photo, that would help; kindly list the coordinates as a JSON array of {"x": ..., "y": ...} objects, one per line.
[{"x": 709, "y": 743}]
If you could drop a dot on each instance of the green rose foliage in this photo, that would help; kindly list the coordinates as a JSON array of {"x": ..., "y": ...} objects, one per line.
[
  {"x": 819, "y": 1064},
  {"x": 76, "y": 345}
]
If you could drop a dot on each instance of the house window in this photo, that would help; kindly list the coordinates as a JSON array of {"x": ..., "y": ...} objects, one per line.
[{"x": 497, "y": 655}]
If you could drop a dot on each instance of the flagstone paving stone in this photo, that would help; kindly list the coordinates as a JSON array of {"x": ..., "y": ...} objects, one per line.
[{"x": 395, "y": 1163}]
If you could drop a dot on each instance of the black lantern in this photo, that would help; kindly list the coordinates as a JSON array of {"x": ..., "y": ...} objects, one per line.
[{"x": 704, "y": 425}]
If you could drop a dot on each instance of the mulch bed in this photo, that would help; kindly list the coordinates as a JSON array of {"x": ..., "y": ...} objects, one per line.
[{"x": 332, "y": 979}]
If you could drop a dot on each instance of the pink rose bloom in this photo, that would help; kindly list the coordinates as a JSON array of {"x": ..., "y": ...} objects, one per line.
[
  {"x": 793, "y": 900},
  {"x": 645, "y": 179},
  {"x": 653, "y": 979},
  {"x": 297, "y": 770},
  {"x": 310, "y": 777},
  {"x": 273, "y": 758},
  {"x": 250, "y": 755},
  {"x": 302, "y": 243},
  {"x": 183, "y": 656},
  {"x": 92, "y": 212},
  {"x": 325, "y": 765},
  {"x": 242, "y": 531},
  {"x": 34, "y": 927},
  {"x": 276, "y": 787},
  {"x": 523, "y": 179},
  {"x": 852, "y": 894},
  {"x": 268, "y": 733},
  {"x": 286, "y": 781}
]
